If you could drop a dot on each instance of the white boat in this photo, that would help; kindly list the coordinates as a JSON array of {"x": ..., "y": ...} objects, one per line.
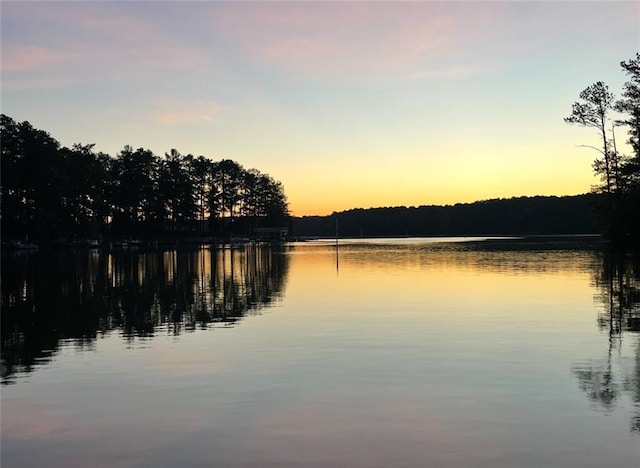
[{"x": 25, "y": 245}]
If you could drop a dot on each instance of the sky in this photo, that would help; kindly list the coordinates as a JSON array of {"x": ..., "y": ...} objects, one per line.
[{"x": 348, "y": 104}]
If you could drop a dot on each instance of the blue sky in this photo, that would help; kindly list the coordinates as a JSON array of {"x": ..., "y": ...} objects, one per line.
[{"x": 349, "y": 104}]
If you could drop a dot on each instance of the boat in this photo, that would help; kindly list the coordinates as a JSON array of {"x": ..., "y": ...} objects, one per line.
[{"x": 19, "y": 245}]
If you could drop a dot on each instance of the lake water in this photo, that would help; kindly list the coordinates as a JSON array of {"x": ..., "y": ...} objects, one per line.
[{"x": 386, "y": 353}]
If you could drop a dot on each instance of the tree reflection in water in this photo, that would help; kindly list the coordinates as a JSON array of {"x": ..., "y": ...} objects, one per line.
[
  {"x": 604, "y": 381},
  {"x": 48, "y": 297}
]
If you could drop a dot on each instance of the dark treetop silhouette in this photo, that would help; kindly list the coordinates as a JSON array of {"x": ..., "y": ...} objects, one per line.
[
  {"x": 51, "y": 192},
  {"x": 522, "y": 215}
]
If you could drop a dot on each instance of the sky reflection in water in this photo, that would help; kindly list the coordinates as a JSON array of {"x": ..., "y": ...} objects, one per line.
[{"x": 391, "y": 354}]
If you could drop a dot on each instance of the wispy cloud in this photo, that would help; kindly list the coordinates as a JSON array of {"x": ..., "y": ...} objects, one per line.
[
  {"x": 35, "y": 83},
  {"x": 355, "y": 38},
  {"x": 174, "y": 112},
  {"x": 19, "y": 58},
  {"x": 450, "y": 72},
  {"x": 70, "y": 38}
]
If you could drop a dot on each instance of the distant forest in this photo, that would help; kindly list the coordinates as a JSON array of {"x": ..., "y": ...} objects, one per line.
[
  {"x": 53, "y": 193},
  {"x": 522, "y": 215}
]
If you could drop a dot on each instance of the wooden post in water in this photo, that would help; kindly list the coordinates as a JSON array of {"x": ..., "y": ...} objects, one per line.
[{"x": 337, "y": 259}]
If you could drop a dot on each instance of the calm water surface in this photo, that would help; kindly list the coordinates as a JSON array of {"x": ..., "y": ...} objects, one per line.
[{"x": 394, "y": 353}]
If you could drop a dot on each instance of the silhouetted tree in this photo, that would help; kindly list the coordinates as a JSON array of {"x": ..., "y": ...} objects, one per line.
[
  {"x": 32, "y": 181},
  {"x": 135, "y": 195},
  {"x": 593, "y": 111},
  {"x": 227, "y": 179},
  {"x": 274, "y": 201},
  {"x": 50, "y": 192},
  {"x": 202, "y": 176},
  {"x": 263, "y": 197},
  {"x": 85, "y": 195},
  {"x": 176, "y": 186},
  {"x": 628, "y": 213},
  {"x": 620, "y": 214},
  {"x": 629, "y": 104}
]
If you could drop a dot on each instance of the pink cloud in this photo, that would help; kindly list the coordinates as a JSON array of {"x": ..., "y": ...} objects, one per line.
[
  {"x": 27, "y": 57},
  {"x": 177, "y": 112},
  {"x": 34, "y": 67},
  {"x": 346, "y": 38},
  {"x": 91, "y": 34},
  {"x": 36, "y": 83}
]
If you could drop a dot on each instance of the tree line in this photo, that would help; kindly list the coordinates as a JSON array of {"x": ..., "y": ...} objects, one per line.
[
  {"x": 619, "y": 210},
  {"x": 522, "y": 215},
  {"x": 54, "y": 192}
]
